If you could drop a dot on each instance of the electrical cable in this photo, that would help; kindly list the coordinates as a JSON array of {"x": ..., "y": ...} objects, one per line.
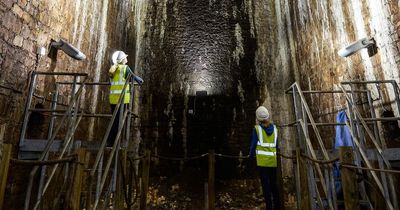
[
  {"x": 127, "y": 201},
  {"x": 135, "y": 180}
]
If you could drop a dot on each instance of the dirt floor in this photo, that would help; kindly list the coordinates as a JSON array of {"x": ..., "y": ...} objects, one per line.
[{"x": 167, "y": 193}]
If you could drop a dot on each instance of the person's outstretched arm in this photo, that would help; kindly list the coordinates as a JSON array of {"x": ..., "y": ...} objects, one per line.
[
  {"x": 254, "y": 139},
  {"x": 137, "y": 79}
]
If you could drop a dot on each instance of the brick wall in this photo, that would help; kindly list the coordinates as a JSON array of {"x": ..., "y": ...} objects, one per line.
[
  {"x": 95, "y": 27},
  {"x": 299, "y": 41},
  {"x": 27, "y": 25},
  {"x": 263, "y": 46},
  {"x": 320, "y": 30}
]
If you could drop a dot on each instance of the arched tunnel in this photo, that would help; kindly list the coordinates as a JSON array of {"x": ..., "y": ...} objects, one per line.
[
  {"x": 194, "y": 94},
  {"x": 327, "y": 72}
]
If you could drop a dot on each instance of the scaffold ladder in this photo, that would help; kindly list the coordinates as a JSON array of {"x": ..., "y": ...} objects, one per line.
[
  {"x": 358, "y": 126},
  {"x": 73, "y": 164}
]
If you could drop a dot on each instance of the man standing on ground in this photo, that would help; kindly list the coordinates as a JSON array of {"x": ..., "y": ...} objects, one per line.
[{"x": 264, "y": 146}]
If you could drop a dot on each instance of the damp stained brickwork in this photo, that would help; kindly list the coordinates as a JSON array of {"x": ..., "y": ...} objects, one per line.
[
  {"x": 201, "y": 71},
  {"x": 210, "y": 64},
  {"x": 244, "y": 53},
  {"x": 321, "y": 29},
  {"x": 88, "y": 25},
  {"x": 28, "y": 25}
]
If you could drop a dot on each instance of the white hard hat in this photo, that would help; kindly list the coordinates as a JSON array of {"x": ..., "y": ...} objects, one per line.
[
  {"x": 118, "y": 57},
  {"x": 262, "y": 114}
]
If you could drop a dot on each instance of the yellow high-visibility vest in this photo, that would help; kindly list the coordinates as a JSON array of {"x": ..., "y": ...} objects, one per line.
[
  {"x": 117, "y": 84},
  {"x": 266, "y": 147}
]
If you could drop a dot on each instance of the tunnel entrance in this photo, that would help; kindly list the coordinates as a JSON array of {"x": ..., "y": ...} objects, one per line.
[{"x": 207, "y": 123}]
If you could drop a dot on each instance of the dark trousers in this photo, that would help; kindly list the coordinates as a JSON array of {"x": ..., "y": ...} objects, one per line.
[
  {"x": 269, "y": 183},
  {"x": 115, "y": 125}
]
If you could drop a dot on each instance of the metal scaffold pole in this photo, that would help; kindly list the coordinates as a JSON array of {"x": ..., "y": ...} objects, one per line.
[{"x": 359, "y": 128}]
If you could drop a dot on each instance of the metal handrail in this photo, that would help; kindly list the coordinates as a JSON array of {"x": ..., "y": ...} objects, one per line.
[
  {"x": 110, "y": 158},
  {"x": 356, "y": 128},
  {"x": 312, "y": 121},
  {"x": 49, "y": 143},
  {"x": 392, "y": 82},
  {"x": 59, "y": 73},
  {"x": 73, "y": 124},
  {"x": 64, "y": 149},
  {"x": 104, "y": 141},
  {"x": 320, "y": 142},
  {"x": 31, "y": 94},
  {"x": 360, "y": 119},
  {"x": 313, "y": 155},
  {"x": 365, "y": 126},
  {"x": 116, "y": 141},
  {"x": 365, "y": 158}
]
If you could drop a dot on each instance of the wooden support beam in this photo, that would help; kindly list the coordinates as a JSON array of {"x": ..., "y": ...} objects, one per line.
[
  {"x": 211, "y": 180},
  {"x": 4, "y": 165},
  {"x": 349, "y": 179},
  {"x": 76, "y": 189},
  {"x": 305, "y": 201},
  {"x": 121, "y": 181},
  {"x": 90, "y": 183},
  {"x": 145, "y": 180}
]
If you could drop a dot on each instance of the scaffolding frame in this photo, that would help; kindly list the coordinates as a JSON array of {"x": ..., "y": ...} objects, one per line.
[
  {"x": 358, "y": 125},
  {"x": 71, "y": 117}
]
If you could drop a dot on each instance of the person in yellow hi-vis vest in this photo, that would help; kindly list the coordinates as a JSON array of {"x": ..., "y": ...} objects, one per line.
[
  {"x": 264, "y": 146},
  {"x": 119, "y": 73}
]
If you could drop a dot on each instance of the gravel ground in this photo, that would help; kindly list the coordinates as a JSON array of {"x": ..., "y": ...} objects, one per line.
[{"x": 169, "y": 193}]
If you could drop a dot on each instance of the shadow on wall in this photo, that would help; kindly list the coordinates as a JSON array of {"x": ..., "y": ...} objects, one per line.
[
  {"x": 36, "y": 123},
  {"x": 391, "y": 130},
  {"x": 208, "y": 122}
]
